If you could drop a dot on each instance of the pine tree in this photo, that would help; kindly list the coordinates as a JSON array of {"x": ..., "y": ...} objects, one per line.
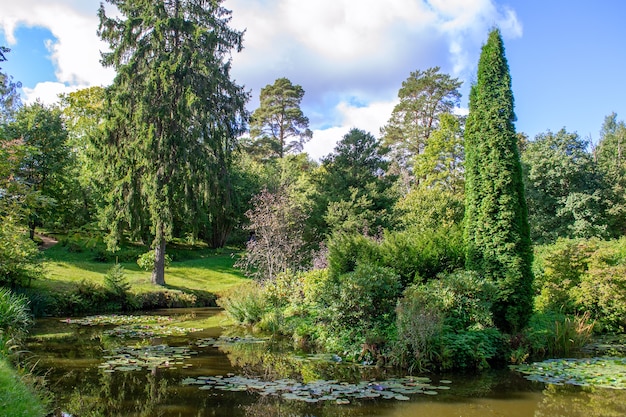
[
  {"x": 497, "y": 234},
  {"x": 173, "y": 116}
]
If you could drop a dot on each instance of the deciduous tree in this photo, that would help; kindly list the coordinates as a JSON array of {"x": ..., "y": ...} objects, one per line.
[
  {"x": 610, "y": 155},
  {"x": 564, "y": 190}
]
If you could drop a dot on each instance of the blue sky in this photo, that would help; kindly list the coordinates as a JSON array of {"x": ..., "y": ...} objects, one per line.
[{"x": 566, "y": 57}]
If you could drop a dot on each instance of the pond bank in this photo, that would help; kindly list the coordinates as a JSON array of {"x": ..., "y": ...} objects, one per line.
[{"x": 17, "y": 399}]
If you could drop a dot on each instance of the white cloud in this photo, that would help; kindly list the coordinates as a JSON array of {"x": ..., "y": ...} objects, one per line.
[
  {"x": 75, "y": 53},
  {"x": 333, "y": 48},
  {"x": 369, "y": 118},
  {"x": 48, "y": 92}
]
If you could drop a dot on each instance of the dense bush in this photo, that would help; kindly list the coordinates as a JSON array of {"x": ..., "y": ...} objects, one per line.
[
  {"x": 345, "y": 251},
  {"x": 20, "y": 261},
  {"x": 420, "y": 255},
  {"x": 363, "y": 298},
  {"x": 447, "y": 324},
  {"x": 578, "y": 276}
]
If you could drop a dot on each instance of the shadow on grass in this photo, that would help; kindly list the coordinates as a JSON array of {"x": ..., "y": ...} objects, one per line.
[{"x": 203, "y": 298}]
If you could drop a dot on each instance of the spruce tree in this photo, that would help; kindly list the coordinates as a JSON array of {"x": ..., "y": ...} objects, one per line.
[
  {"x": 173, "y": 114},
  {"x": 497, "y": 234}
]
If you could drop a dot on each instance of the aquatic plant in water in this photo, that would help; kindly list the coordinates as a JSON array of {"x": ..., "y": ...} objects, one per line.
[
  {"x": 319, "y": 391},
  {"x": 135, "y": 358},
  {"x": 603, "y": 372},
  {"x": 115, "y": 319}
]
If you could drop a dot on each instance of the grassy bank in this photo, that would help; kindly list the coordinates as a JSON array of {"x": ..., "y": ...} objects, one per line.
[
  {"x": 16, "y": 398},
  {"x": 74, "y": 281}
]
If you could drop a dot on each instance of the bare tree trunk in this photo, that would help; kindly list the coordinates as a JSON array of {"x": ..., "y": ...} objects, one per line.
[{"x": 158, "y": 272}]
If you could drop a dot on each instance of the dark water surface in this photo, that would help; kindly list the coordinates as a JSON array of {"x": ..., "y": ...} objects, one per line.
[{"x": 75, "y": 358}]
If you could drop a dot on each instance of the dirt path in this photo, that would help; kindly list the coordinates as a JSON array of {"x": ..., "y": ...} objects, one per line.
[{"x": 48, "y": 242}]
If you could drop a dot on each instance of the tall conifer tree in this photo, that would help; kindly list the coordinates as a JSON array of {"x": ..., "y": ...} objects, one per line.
[
  {"x": 496, "y": 217},
  {"x": 173, "y": 113}
]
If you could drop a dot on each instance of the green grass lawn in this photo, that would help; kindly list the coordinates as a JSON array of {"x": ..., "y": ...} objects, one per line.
[
  {"x": 16, "y": 398},
  {"x": 201, "y": 269}
]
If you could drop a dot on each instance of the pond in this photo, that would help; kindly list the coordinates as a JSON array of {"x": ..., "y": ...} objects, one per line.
[{"x": 161, "y": 364}]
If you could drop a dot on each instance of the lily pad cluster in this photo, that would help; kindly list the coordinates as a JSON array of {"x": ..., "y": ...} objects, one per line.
[
  {"x": 115, "y": 319},
  {"x": 320, "y": 391},
  {"x": 145, "y": 331},
  {"x": 132, "y": 358},
  {"x": 604, "y": 372}
]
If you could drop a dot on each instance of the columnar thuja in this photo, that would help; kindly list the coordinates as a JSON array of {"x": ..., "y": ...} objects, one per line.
[{"x": 496, "y": 218}]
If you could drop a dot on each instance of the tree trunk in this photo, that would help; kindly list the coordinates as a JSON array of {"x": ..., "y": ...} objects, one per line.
[
  {"x": 158, "y": 272},
  {"x": 31, "y": 230}
]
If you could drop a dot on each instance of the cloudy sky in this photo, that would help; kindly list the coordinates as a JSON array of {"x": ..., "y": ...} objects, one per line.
[{"x": 567, "y": 57}]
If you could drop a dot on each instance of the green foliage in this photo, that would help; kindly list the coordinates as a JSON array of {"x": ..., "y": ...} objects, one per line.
[
  {"x": 424, "y": 97},
  {"x": 18, "y": 399},
  {"x": 440, "y": 165},
  {"x": 419, "y": 255},
  {"x": 560, "y": 267},
  {"x": 353, "y": 191},
  {"x": 146, "y": 260},
  {"x": 447, "y": 324},
  {"x": 115, "y": 281},
  {"x": 555, "y": 334},
  {"x": 564, "y": 190},
  {"x": 474, "y": 349},
  {"x": 20, "y": 260},
  {"x": 246, "y": 304},
  {"x": 578, "y": 276},
  {"x": 345, "y": 251},
  {"x": 610, "y": 155},
  {"x": 46, "y": 167},
  {"x": 15, "y": 316},
  {"x": 173, "y": 116},
  {"x": 364, "y": 297},
  {"x": 497, "y": 233},
  {"x": 278, "y": 119}
]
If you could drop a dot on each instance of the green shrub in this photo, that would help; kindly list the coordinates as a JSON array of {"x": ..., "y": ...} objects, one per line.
[
  {"x": 115, "y": 281},
  {"x": 419, "y": 326},
  {"x": 474, "y": 349},
  {"x": 435, "y": 318},
  {"x": 419, "y": 255},
  {"x": 284, "y": 289},
  {"x": 578, "y": 276},
  {"x": 602, "y": 290},
  {"x": 364, "y": 296},
  {"x": 163, "y": 299},
  {"x": 20, "y": 260},
  {"x": 318, "y": 288},
  {"x": 146, "y": 260},
  {"x": 357, "y": 307},
  {"x": 558, "y": 269},
  {"x": 15, "y": 317},
  {"x": 246, "y": 304},
  {"x": 345, "y": 251}
]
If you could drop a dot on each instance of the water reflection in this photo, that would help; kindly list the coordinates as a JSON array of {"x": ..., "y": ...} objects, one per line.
[{"x": 71, "y": 355}]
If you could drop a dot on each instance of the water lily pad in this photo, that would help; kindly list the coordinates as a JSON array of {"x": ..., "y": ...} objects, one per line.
[{"x": 605, "y": 372}]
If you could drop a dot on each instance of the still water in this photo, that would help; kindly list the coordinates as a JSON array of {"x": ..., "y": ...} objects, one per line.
[{"x": 108, "y": 370}]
